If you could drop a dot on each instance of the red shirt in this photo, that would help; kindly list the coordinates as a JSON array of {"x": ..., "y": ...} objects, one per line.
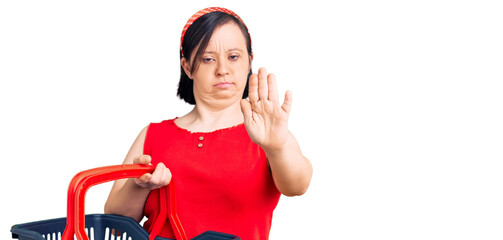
[{"x": 222, "y": 181}]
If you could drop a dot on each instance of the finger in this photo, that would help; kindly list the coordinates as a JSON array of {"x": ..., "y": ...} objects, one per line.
[
  {"x": 143, "y": 159},
  {"x": 262, "y": 84},
  {"x": 253, "y": 88},
  {"x": 287, "y": 103},
  {"x": 166, "y": 177},
  {"x": 146, "y": 177},
  {"x": 156, "y": 179},
  {"x": 246, "y": 110},
  {"x": 143, "y": 180},
  {"x": 272, "y": 88}
]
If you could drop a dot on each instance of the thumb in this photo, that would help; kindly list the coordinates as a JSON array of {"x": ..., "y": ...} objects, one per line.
[
  {"x": 287, "y": 103},
  {"x": 246, "y": 109}
]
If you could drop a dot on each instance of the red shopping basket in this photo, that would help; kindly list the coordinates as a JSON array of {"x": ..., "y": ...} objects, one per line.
[{"x": 106, "y": 226}]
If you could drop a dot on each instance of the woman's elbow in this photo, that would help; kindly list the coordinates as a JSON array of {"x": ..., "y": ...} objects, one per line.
[
  {"x": 108, "y": 209},
  {"x": 294, "y": 193},
  {"x": 292, "y": 190},
  {"x": 296, "y": 187},
  {"x": 111, "y": 209}
]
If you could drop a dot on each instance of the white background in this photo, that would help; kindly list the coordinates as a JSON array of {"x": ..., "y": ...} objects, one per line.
[{"x": 398, "y": 104}]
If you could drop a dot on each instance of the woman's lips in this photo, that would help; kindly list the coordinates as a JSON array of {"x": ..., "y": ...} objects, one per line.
[{"x": 224, "y": 85}]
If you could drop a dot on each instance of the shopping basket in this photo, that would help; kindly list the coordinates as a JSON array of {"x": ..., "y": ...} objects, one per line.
[{"x": 105, "y": 226}]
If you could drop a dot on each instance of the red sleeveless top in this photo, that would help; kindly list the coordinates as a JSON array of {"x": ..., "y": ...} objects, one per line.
[{"x": 222, "y": 181}]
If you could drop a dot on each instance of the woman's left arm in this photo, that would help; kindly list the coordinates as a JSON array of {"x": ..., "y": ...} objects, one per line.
[{"x": 267, "y": 125}]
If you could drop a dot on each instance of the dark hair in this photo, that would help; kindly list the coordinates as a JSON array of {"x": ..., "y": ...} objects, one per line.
[{"x": 199, "y": 33}]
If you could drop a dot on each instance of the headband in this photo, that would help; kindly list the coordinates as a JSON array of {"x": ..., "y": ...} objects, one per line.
[{"x": 201, "y": 13}]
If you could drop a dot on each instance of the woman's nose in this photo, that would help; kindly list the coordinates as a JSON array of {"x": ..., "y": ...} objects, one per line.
[{"x": 222, "y": 68}]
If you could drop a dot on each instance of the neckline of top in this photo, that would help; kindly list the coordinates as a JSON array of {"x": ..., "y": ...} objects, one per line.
[{"x": 210, "y": 132}]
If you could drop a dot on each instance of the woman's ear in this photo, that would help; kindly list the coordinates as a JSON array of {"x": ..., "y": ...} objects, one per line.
[
  {"x": 186, "y": 67},
  {"x": 251, "y": 60}
]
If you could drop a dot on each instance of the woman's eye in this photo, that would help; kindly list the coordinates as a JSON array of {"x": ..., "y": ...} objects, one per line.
[
  {"x": 233, "y": 57},
  {"x": 206, "y": 60}
]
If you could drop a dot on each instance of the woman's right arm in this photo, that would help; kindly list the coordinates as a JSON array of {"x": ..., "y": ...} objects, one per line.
[{"x": 128, "y": 196}]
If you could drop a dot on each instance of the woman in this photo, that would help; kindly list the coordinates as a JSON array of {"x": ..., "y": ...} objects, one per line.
[{"x": 231, "y": 157}]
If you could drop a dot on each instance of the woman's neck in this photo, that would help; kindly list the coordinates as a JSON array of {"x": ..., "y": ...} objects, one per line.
[{"x": 208, "y": 118}]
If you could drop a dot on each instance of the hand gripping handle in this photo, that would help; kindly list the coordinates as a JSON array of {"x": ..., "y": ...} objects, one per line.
[{"x": 75, "y": 221}]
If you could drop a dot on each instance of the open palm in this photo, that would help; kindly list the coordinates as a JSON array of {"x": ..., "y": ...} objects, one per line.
[{"x": 265, "y": 120}]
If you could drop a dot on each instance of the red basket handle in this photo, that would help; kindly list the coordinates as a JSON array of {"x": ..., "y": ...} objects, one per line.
[{"x": 75, "y": 221}]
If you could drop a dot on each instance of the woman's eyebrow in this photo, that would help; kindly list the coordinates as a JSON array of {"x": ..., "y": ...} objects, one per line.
[
  {"x": 228, "y": 50},
  {"x": 235, "y": 49}
]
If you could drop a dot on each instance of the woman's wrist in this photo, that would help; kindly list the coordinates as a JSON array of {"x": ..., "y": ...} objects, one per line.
[{"x": 278, "y": 150}]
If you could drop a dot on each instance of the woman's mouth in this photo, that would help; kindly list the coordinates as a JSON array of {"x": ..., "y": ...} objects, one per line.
[{"x": 224, "y": 85}]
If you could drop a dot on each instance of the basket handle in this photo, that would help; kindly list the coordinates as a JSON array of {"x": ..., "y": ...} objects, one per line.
[{"x": 75, "y": 221}]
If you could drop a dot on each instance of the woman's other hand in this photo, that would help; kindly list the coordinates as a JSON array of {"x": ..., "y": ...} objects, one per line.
[
  {"x": 265, "y": 120},
  {"x": 159, "y": 178}
]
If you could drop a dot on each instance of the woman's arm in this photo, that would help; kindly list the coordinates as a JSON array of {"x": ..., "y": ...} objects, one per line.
[
  {"x": 128, "y": 196},
  {"x": 267, "y": 125},
  {"x": 291, "y": 171}
]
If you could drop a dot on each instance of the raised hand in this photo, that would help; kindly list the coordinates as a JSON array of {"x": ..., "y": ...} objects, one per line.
[{"x": 265, "y": 120}]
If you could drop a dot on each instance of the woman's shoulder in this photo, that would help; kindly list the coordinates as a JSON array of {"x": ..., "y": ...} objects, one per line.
[
  {"x": 157, "y": 126},
  {"x": 162, "y": 122}
]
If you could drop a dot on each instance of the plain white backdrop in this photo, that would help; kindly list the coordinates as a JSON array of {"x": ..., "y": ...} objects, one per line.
[{"x": 398, "y": 104}]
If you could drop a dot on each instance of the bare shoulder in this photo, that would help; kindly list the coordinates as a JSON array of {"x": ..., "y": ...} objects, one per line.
[
  {"x": 141, "y": 137},
  {"x": 136, "y": 149},
  {"x": 143, "y": 132}
]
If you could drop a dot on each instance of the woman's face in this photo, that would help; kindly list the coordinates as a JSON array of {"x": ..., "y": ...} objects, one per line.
[{"x": 224, "y": 66}]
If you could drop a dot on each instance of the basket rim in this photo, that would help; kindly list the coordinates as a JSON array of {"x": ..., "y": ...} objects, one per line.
[{"x": 23, "y": 228}]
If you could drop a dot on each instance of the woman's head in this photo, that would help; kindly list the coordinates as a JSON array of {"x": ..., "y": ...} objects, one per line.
[{"x": 215, "y": 48}]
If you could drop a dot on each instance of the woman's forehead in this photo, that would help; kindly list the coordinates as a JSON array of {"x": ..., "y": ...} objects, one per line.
[{"x": 229, "y": 37}]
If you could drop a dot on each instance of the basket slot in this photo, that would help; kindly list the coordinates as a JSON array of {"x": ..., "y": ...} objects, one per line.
[
  {"x": 115, "y": 234},
  {"x": 90, "y": 233},
  {"x": 52, "y": 236}
]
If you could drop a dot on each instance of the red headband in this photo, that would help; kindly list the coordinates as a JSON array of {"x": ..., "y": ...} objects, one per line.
[{"x": 199, "y": 14}]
